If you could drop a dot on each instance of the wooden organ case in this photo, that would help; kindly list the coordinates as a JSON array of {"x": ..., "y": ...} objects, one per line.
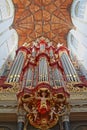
[{"x": 42, "y": 75}]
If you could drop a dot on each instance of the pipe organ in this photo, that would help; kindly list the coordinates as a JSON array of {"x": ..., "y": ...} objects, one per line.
[
  {"x": 42, "y": 72},
  {"x": 58, "y": 79},
  {"x": 69, "y": 69},
  {"x": 27, "y": 79},
  {"x": 15, "y": 71}
]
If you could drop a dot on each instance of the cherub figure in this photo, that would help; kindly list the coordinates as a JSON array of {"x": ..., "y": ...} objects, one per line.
[
  {"x": 26, "y": 107},
  {"x": 52, "y": 112},
  {"x": 43, "y": 100},
  {"x": 34, "y": 111}
]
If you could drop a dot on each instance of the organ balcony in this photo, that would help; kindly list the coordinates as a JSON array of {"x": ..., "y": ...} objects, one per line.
[{"x": 43, "y": 77}]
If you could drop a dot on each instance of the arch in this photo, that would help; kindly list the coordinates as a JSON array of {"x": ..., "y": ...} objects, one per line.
[
  {"x": 6, "y": 14},
  {"x": 79, "y": 9},
  {"x": 76, "y": 44},
  {"x": 8, "y": 46},
  {"x": 79, "y": 15},
  {"x": 6, "y": 9},
  {"x": 71, "y": 39},
  {"x": 78, "y": 49}
]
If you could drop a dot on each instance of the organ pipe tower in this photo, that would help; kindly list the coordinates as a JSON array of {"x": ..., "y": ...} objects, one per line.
[{"x": 42, "y": 73}]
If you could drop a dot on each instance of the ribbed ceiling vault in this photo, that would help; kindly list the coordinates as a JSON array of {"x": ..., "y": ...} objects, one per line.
[{"x": 48, "y": 18}]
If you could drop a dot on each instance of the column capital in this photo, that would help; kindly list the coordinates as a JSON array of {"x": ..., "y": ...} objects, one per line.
[
  {"x": 21, "y": 118},
  {"x": 65, "y": 118},
  {"x": 21, "y": 115}
]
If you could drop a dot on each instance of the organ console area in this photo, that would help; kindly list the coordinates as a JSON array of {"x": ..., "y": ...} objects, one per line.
[{"x": 43, "y": 75}]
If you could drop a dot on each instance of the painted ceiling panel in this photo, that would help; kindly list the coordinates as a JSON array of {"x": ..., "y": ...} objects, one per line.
[{"x": 48, "y": 18}]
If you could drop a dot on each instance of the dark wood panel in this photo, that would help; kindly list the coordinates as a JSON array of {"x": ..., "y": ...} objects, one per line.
[{"x": 5, "y": 117}]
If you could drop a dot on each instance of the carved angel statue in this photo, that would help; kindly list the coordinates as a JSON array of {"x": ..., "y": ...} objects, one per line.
[
  {"x": 52, "y": 112},
  {"x": 43, "y": 100},
  {"x": 35, "y": 112}
]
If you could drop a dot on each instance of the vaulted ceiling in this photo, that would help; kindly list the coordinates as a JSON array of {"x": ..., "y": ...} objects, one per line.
[{"x": 48, "y": 18}]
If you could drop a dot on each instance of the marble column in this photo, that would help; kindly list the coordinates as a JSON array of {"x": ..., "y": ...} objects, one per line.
[
  {"x": 66, "y": 123},
  {"x": 21, "y": 120}
]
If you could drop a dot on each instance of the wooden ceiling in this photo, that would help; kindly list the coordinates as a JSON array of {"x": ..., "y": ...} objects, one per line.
[{"x": 48, "y": 18}]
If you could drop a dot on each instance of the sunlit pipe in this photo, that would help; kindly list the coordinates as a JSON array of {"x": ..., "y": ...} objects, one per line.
[
  {"x": 18, "y": 69},
  {"x": 58, "y": 78},
  {"x": 12, "y": 68},
  {"x": 63, "y": 64},
  {"x": 24, "y": 80},
  {"x": 40, "y": 69},
  {"x": 75, "y": 75},
  {"x": 42, "y": 47},
  {"x": 68, "y": 68},
  {"x": 19, "y": 64},
  {"x": 46, "y": 70},
  {"x": 41, "y": 66},
  {"x": 65, "y": 68},
  {"x": 51, "y": 53},
  {"x": 36, "y": 78},
  {"x": 61, "y": 79},
  {"x": 29, "y": 77},
  {"x": 15, "y": 68},
  {"x": 69, "y": 72},
  {"x": 43, "y": 74},
  {"x": 33, "y": 52},
  {"x": 51, "y": 80},
  {"x": 68, "y": 64}
]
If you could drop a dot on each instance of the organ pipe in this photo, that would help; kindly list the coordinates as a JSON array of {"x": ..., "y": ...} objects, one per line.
[
  {"x": 69, "y": 69},
  {"x": 24, "y": 79},
  {"x": 43, "y": 94},
  {"x": 14, "y": 69},
  {"x": 74, "y": 74},
  {"x": 58, "y": 79},
  {"x": 42, "y": 47},
  {"x": 33, "y": 52},
  {"x": 51, "y": 79},
  {"x": 51, "y": 53},
  {"x": 29, "y": 77},
  {"x": 35, "y": 77},
  {"x": 19, "y": 68},
  {"x": 43, "y": 70},
  {"x": 66, "y": 69},
  {"x": 10, "y": 76}
]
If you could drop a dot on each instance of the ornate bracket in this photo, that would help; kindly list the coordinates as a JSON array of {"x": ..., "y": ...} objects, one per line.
[{"x": 43, "y": 104}]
